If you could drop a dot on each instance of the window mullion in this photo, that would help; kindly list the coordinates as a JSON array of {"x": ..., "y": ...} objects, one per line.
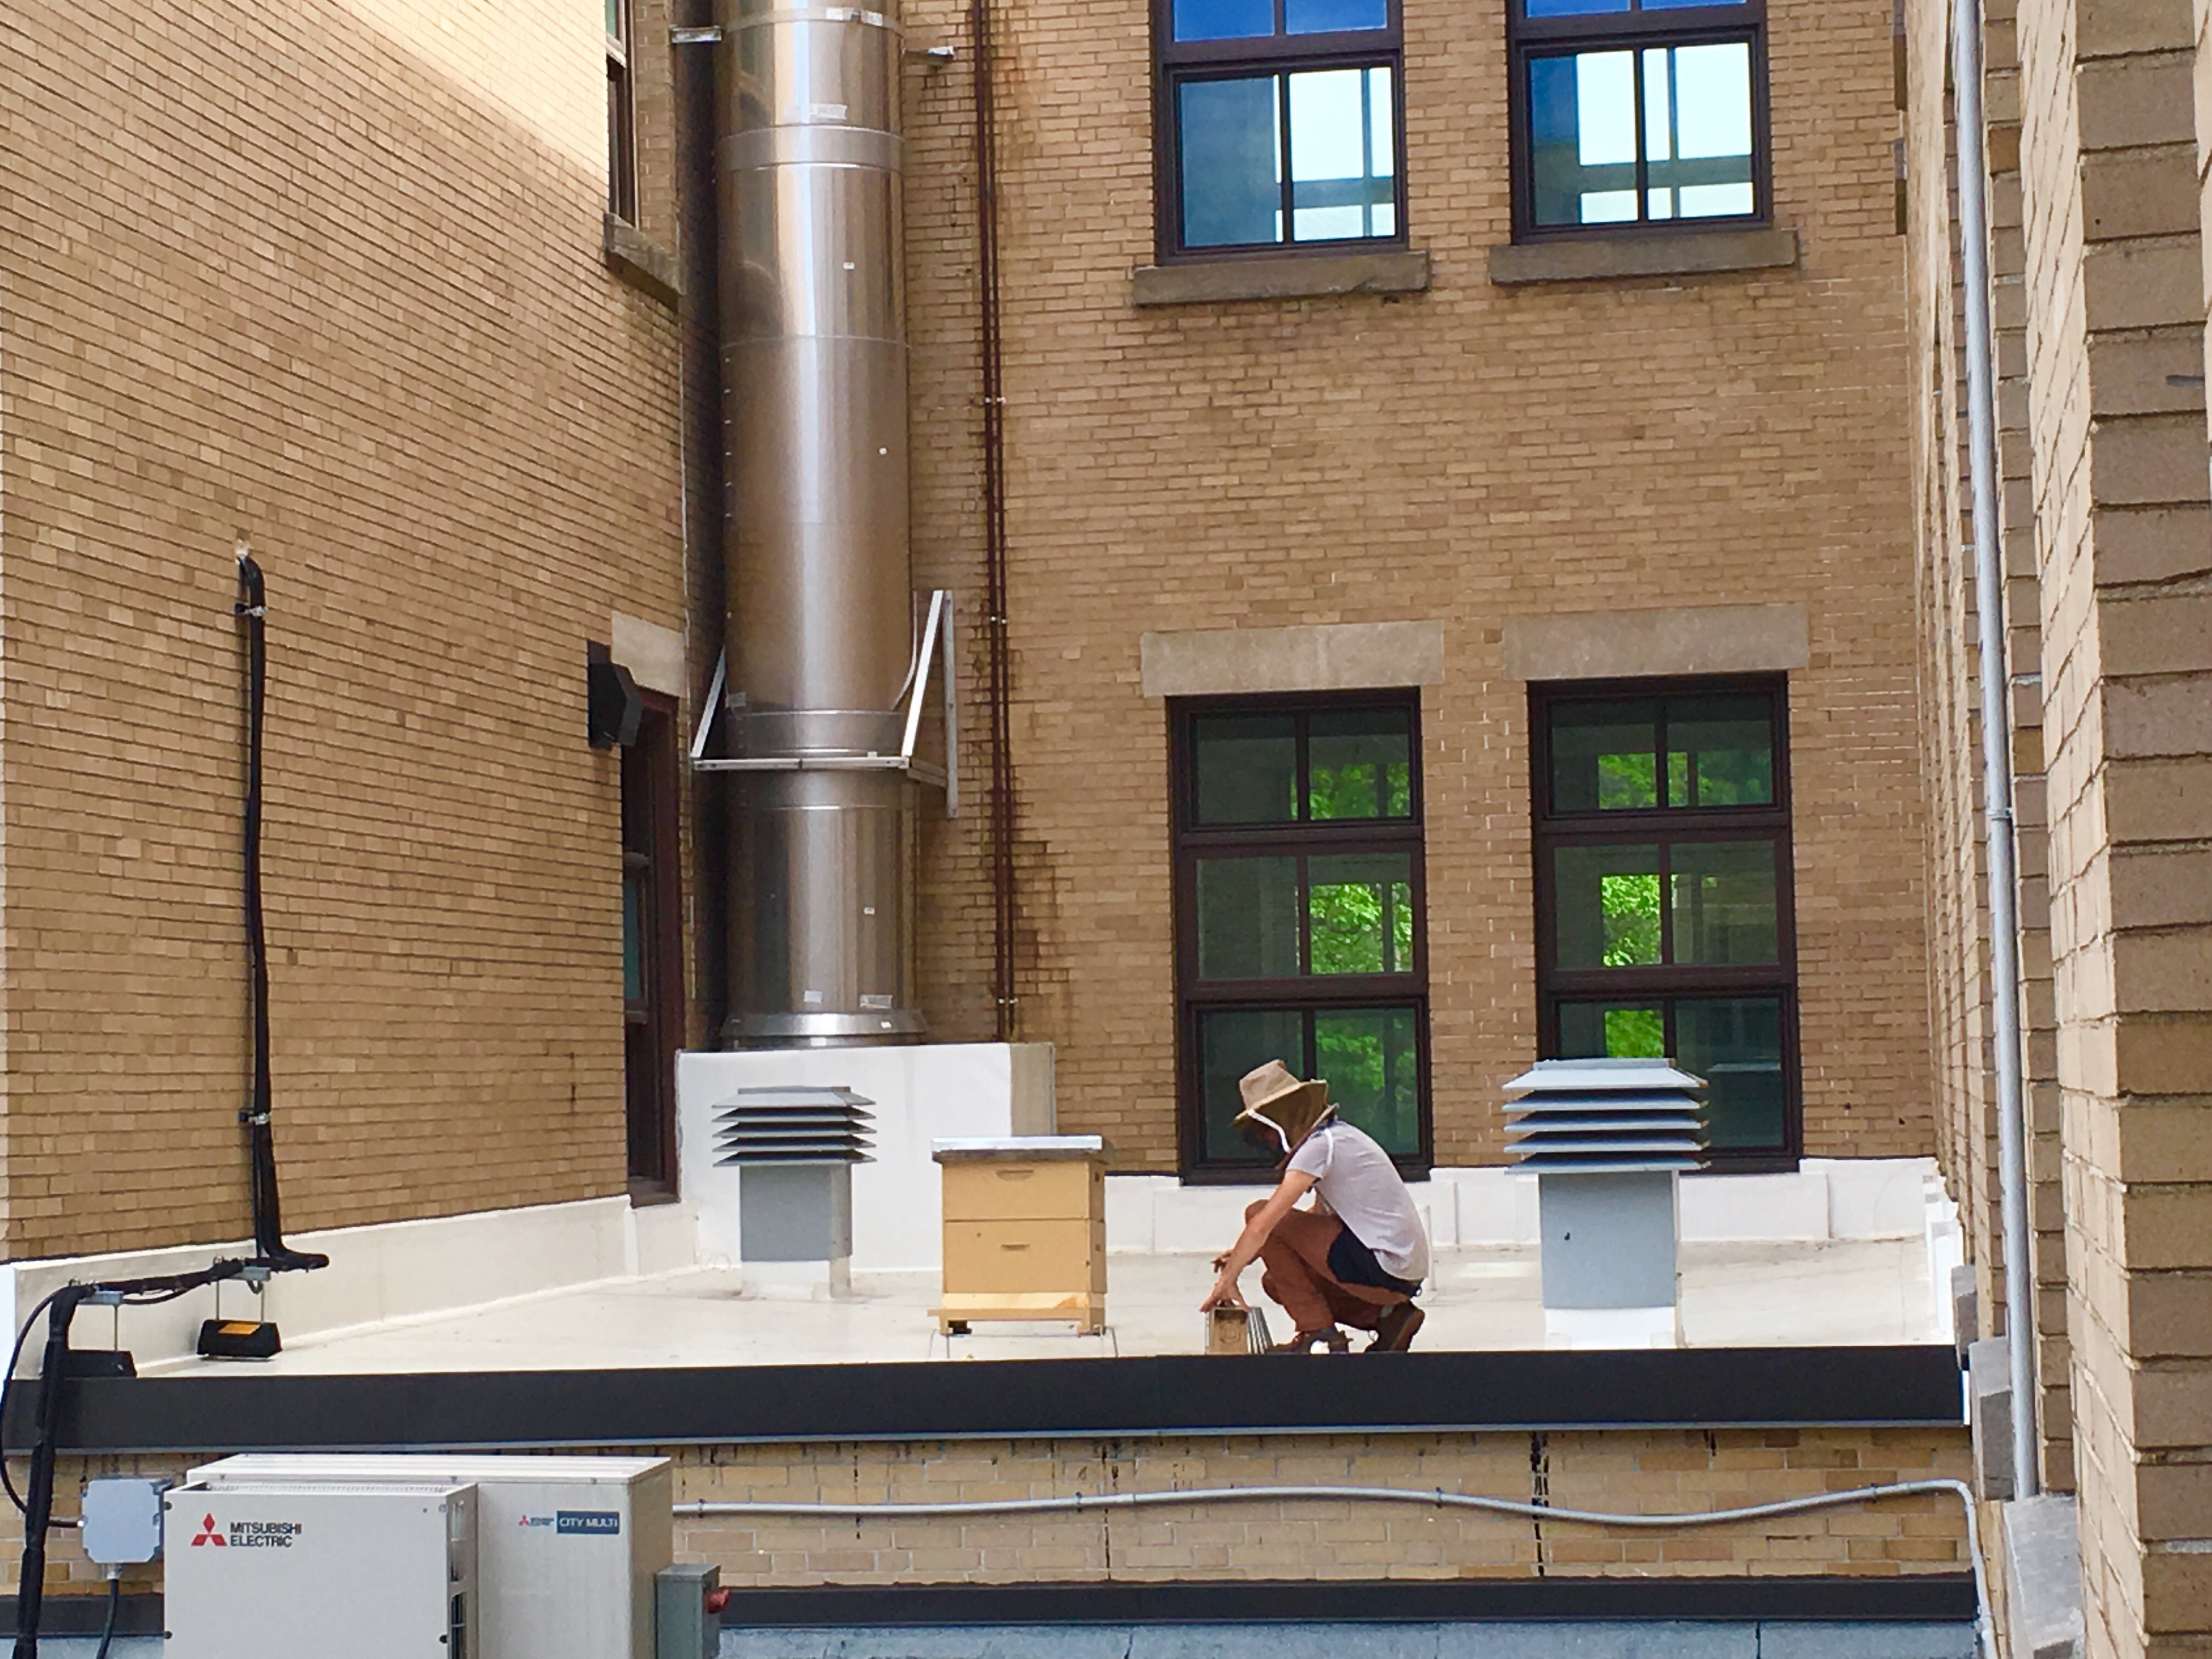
[
  {"x": 1642, "y": 150},
  {"x": 1367, "y": 151},
  {"x": 1284, "y": 159},
  {"x": 1305, "y": 918}
]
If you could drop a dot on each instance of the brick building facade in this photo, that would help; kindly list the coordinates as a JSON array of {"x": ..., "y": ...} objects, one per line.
[
  {"x": 1607, "y": 526},
  {"x": 325, "y": 280},
  {"x": 1515, "y": 462},
  {"x": 2093, "y": 143},
  {"x": 375, "y": 334}
]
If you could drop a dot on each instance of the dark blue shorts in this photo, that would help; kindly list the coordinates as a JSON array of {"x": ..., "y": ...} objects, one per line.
[{"x": 1351, "y": 1263}]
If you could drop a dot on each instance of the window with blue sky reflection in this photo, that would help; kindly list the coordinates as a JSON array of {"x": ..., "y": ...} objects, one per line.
[
  {"x": 1622, "y": 127},
  {"x": 1281, "y": 123}
]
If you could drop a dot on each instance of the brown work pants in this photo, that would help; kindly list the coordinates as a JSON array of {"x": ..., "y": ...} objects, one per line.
[{"x": 1295, "y": 1262}]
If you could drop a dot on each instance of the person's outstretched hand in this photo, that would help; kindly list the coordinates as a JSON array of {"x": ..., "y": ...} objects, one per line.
[{"x": 1225, "y": 1291}]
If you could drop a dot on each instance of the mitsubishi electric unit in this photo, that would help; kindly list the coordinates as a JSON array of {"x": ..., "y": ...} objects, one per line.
[
  {"x": 567, "y": 1547},
  {"x": 339, "y": 1571}
]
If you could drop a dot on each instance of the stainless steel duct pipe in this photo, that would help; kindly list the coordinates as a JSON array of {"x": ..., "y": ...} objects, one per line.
[{"x": 821, "y": 634}]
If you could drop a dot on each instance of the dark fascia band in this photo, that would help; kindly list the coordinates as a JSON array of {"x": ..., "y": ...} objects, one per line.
[
  {"x": 138, "y": 1613},
  {"x": 1175, "y": 1395},
  {"x": 1915, "y": 1597}
]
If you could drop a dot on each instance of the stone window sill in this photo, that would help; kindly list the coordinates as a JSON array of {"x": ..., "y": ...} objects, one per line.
[
  {"x": 1296, "y": 277},
  {"x": 1681, "y": 253},
  {"x": 641, "y": 261}
]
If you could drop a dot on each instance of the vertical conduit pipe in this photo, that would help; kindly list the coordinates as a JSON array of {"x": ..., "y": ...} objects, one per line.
[
  {"x": 1996, "y": 740},
  {"x": 997, "y": 644}
]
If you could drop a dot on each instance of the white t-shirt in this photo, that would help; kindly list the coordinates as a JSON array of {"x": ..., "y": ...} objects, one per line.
[{"x": 1355, "y": 1179}]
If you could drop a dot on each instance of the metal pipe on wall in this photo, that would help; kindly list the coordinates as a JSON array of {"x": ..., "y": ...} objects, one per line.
[
  {"x": 999, "y": 646},
  {"x": 821, "y": 608},
  {"x": 1997, "y": 742}
]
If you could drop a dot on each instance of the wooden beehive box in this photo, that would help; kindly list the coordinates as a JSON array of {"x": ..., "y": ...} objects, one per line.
[{"x": 1024, "y": 1230}]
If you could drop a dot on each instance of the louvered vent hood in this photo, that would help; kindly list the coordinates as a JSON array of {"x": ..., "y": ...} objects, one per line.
[
  {"x": 794, "y": 1126},
  {"x": 1605, "y": 1116}
]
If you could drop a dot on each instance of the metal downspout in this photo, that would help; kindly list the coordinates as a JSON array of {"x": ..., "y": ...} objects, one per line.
[
  {"x": 999, "y": 646},
  {"x": 1997, "y": 738}
]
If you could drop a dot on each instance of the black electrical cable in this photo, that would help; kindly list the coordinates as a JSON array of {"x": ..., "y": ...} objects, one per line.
[
  {"x": 252, "y": 609},
  {"x": 38, "y": 1504},
  {"x": 114, "y": 1604},
  {"x": 7, "y": 1387},
  {"x": 271, "y": 1254}
]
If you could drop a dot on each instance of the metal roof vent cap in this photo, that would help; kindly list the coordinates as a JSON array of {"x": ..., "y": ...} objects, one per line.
[
  {"x": 794, "y": 1126},
  {"x": 1608, "y": 1141},
  {"x": 794, "y": 1149},
  {"x": 1590, "y": 1116}
]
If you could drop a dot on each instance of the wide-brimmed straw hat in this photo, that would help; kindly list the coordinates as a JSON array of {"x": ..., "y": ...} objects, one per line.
[{"x": 1277, "y": 1100}]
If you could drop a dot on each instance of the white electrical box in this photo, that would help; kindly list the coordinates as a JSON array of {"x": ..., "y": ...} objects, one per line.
[
  {"x": 568, "y": 1547},
  {"x": 337, "y": 1572}
]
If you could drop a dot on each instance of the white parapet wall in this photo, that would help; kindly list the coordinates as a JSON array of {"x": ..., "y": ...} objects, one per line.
[
  {"x": 917, "y": 1095},
  {"x": 1824, "y": 1200},
  {"x": 390, "y": 1271}
]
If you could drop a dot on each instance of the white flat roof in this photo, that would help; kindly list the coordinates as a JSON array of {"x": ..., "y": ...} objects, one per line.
[{"x": 1760, "y": 1294}]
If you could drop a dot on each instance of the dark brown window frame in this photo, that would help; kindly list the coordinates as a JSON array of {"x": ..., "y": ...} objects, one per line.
[
  {"x": 653, "y": 1025},
  {"x": 622, "y": 117},
  {"x": 1175, "y": 62},
  {"x": 1688, "y": 26},
  {"x": 1550, "y": 830},
  {"x": 1309, "y": 991}
]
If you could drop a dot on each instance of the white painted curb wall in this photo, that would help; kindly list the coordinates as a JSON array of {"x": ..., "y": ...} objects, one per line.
[
  {"x": 1824, "y": 1200},
  {"x": 392, "y": 1271}
]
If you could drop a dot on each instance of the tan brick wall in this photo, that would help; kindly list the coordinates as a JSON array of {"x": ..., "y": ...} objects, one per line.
[
  {"x": 2110, "y": 173},
  {"x": 1660, "y": 1472},
  {"x": 1467, "y": 455},
  {"x": 1951, "y": 691},
  {"x": 326, "y": 277},
  {"x": 2112, "y": 309}
]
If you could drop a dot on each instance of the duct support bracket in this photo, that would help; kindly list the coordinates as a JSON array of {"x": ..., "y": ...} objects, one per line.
[{"x": 938, "y": 627}]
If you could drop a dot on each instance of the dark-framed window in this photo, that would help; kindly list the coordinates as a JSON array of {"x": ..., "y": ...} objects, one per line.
[
  {"x": 1638, "y": 113},
  {"x": 622, "y": 116},
  {"x": 1280, "y": 125},
  {"x": 652, "y": 954},
  {"x": 1664, "y": 917},
  {"x": 1299, "y": 923}
]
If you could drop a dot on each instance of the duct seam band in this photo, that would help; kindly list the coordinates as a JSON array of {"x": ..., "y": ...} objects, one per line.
[
  {"x": 823, "y": 144},
  {"x": 874, "y": 20},
  {"x": 1081, "y": 1502}
]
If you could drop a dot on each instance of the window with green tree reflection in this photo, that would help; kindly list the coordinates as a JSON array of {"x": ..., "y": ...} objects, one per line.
[
  {"x": 1664, "y": 928},
  {"x": 1299, "y": 842}
]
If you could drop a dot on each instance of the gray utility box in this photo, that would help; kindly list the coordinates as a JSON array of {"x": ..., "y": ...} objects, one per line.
[
  {"x": 795, "y": 1211},
  {"x": 1609, "y": 1239},
  {"x": 689, "y": 1622},
  {"x": 794, "y": 1149},
  {"x": 337, "y": 1571},
  {"x": 1607, "y": 1140},
  {"x": 567, "y": 1549}
]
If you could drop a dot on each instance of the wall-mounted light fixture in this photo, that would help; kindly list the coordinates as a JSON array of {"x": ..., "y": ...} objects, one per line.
[{"x": 613, "y": 706}]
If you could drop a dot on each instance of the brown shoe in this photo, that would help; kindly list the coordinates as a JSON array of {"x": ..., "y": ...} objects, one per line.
[
  {"x": 1328, "y": 1337},
  {"x": 1394, "y": 1331}
]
